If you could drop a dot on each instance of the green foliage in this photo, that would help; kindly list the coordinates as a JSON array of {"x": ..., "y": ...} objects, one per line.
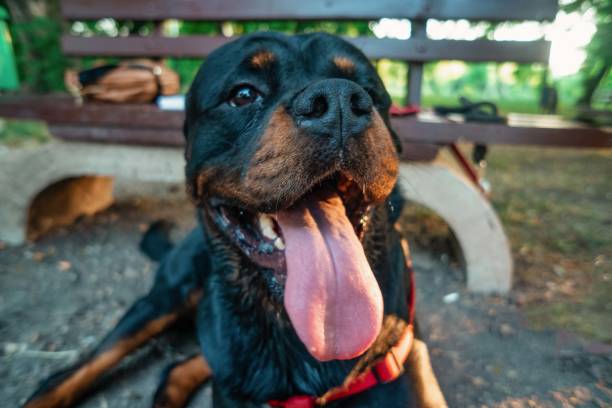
[
  {"x": 351, "y": 28},
  {"x": 187, "y": 67},
  {"x": 40, "y": 62},
  {"x": 596, "y": 67},
  {"x": 22, "y": 132},
  {"x": 602, "y": 97},
  {"x": 474, "y": 81},
  {"x": 513, "y": 87}
]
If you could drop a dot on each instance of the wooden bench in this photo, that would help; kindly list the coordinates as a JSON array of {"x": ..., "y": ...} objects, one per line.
[{"x": 94, "y": 138}]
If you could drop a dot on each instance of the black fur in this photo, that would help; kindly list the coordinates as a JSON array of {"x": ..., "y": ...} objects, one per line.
[
  {"x": 156, "y": 242},
  {"x": 253, "y": 349},
  {"x": 244, "y": 331}
]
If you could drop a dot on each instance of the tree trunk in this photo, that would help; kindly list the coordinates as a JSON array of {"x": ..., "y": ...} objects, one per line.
[{"x": 591, "y": 84}]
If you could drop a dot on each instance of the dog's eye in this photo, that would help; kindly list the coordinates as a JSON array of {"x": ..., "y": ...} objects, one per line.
[{"x": 243, "y": 95}]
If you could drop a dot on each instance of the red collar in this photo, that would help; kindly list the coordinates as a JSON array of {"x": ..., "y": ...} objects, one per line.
[{"x": 384, "y": 370}]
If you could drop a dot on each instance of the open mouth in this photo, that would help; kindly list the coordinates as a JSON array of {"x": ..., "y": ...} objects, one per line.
[
  {"x": 313, "y": 253},
  {"x": 259, "y": 236}
]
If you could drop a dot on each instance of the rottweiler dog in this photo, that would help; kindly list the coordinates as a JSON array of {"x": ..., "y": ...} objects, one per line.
[{"x": 296, "y": 277}]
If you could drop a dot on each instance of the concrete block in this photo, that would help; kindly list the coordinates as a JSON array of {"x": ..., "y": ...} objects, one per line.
[
  {"x": 25, "y": 172},
  {"x": 469, "y": 214}
]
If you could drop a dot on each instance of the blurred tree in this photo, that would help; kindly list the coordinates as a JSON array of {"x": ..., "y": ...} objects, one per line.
[
  {"x": 187, "y": 67},
  {"x": 474, "y": 81},
  {"x": 598, "y": 61},
  {"x": 36, "y": 30}
]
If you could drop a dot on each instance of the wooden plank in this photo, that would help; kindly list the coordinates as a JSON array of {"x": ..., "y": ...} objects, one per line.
[
  {"x": 150, "y": 46},
  {"x": 133, "y": 123},
  {"x": 493, "y": 10},
  {"x": 64, "y": 110},
  {"x": 415, "y": 69},
  {"x": 419, "y": 151},
  {"x": 522, "y": 129},
  {"x": 434, "y": 50},
  {"x": 173, "y": 138},
  {"x": 422, "y": 50},
  {"x": 131, "y": 136},
  {"x": 411, "y": 131}
]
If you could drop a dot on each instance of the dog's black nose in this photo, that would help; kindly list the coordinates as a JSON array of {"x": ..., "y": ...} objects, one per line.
[{"x": 333, "y": 108}]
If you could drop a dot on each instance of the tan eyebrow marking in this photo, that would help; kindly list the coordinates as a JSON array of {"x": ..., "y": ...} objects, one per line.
[
  {"x": 262, "y": 59},
  {"x": 344, "y": 64}
]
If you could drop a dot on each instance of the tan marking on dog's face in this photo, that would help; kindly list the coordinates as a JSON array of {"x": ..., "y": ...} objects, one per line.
[
  {"x": 277, "y": 168},
  {"x": 344, "y": 64},
  {"x": 281, "y": 168},
  {"x": 262, "y": 59},
  {"x": 377, "y": 159}
]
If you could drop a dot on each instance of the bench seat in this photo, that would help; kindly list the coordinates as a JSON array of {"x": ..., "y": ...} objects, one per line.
[{"x": 146, "y": 124}]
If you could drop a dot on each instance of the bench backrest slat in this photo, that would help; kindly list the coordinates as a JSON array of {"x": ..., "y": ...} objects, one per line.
[
  {"x": 417, "y": 50},
  {"x": 216, "y": 10},
  {"x": 414, "y": 50}
]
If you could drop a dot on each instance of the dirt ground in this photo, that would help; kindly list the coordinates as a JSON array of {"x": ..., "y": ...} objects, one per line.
[{"x": 60, "y": 295}]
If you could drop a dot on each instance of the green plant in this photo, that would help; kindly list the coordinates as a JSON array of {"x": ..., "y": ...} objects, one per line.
[
  {"x": 596, "y": 67},
  {"x": 37, "y": 40},
  {"x": 36, "y": 30}
]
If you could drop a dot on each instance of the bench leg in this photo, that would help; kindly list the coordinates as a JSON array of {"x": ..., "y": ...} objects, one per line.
[
  {"x": 24, "y": 173},
  {"x": 470, "y": 215}
]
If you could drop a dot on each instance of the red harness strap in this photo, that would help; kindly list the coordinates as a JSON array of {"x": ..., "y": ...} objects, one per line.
[{"x": 384, "y": 370}]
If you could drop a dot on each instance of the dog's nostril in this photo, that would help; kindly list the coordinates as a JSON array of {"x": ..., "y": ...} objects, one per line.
[
  {"x": 359, "y": 105},
  {"x": 319, "y": 107}
]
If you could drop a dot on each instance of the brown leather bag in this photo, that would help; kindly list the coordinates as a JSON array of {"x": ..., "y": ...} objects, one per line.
[{"x": 134, "y": 81}]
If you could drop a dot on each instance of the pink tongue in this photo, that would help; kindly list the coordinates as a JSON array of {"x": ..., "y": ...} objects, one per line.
[{"x": 331, "y": 295}]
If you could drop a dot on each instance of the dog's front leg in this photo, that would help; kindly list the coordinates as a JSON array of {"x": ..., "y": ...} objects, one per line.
[
  {"x": 147, "y": 318},
  {"x": 181, "y": 381},
  {"x": 424, "y": 382}
]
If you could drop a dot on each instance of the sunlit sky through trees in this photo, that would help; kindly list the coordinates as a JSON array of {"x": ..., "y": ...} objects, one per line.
[{"x": 569, "y": 34}]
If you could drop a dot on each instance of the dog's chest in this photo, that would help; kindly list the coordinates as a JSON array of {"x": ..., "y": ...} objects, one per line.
[{"x": 253, "y": 351}]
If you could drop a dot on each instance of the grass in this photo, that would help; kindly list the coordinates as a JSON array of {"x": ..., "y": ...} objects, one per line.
[
  {"x": 20, "y": 132},
  {"x": 556, "y": 207}
]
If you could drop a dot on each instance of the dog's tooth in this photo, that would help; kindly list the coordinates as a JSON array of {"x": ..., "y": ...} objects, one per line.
[
  {"x": 266, "y": 225},
  {"x": 279, "y": 243}
]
